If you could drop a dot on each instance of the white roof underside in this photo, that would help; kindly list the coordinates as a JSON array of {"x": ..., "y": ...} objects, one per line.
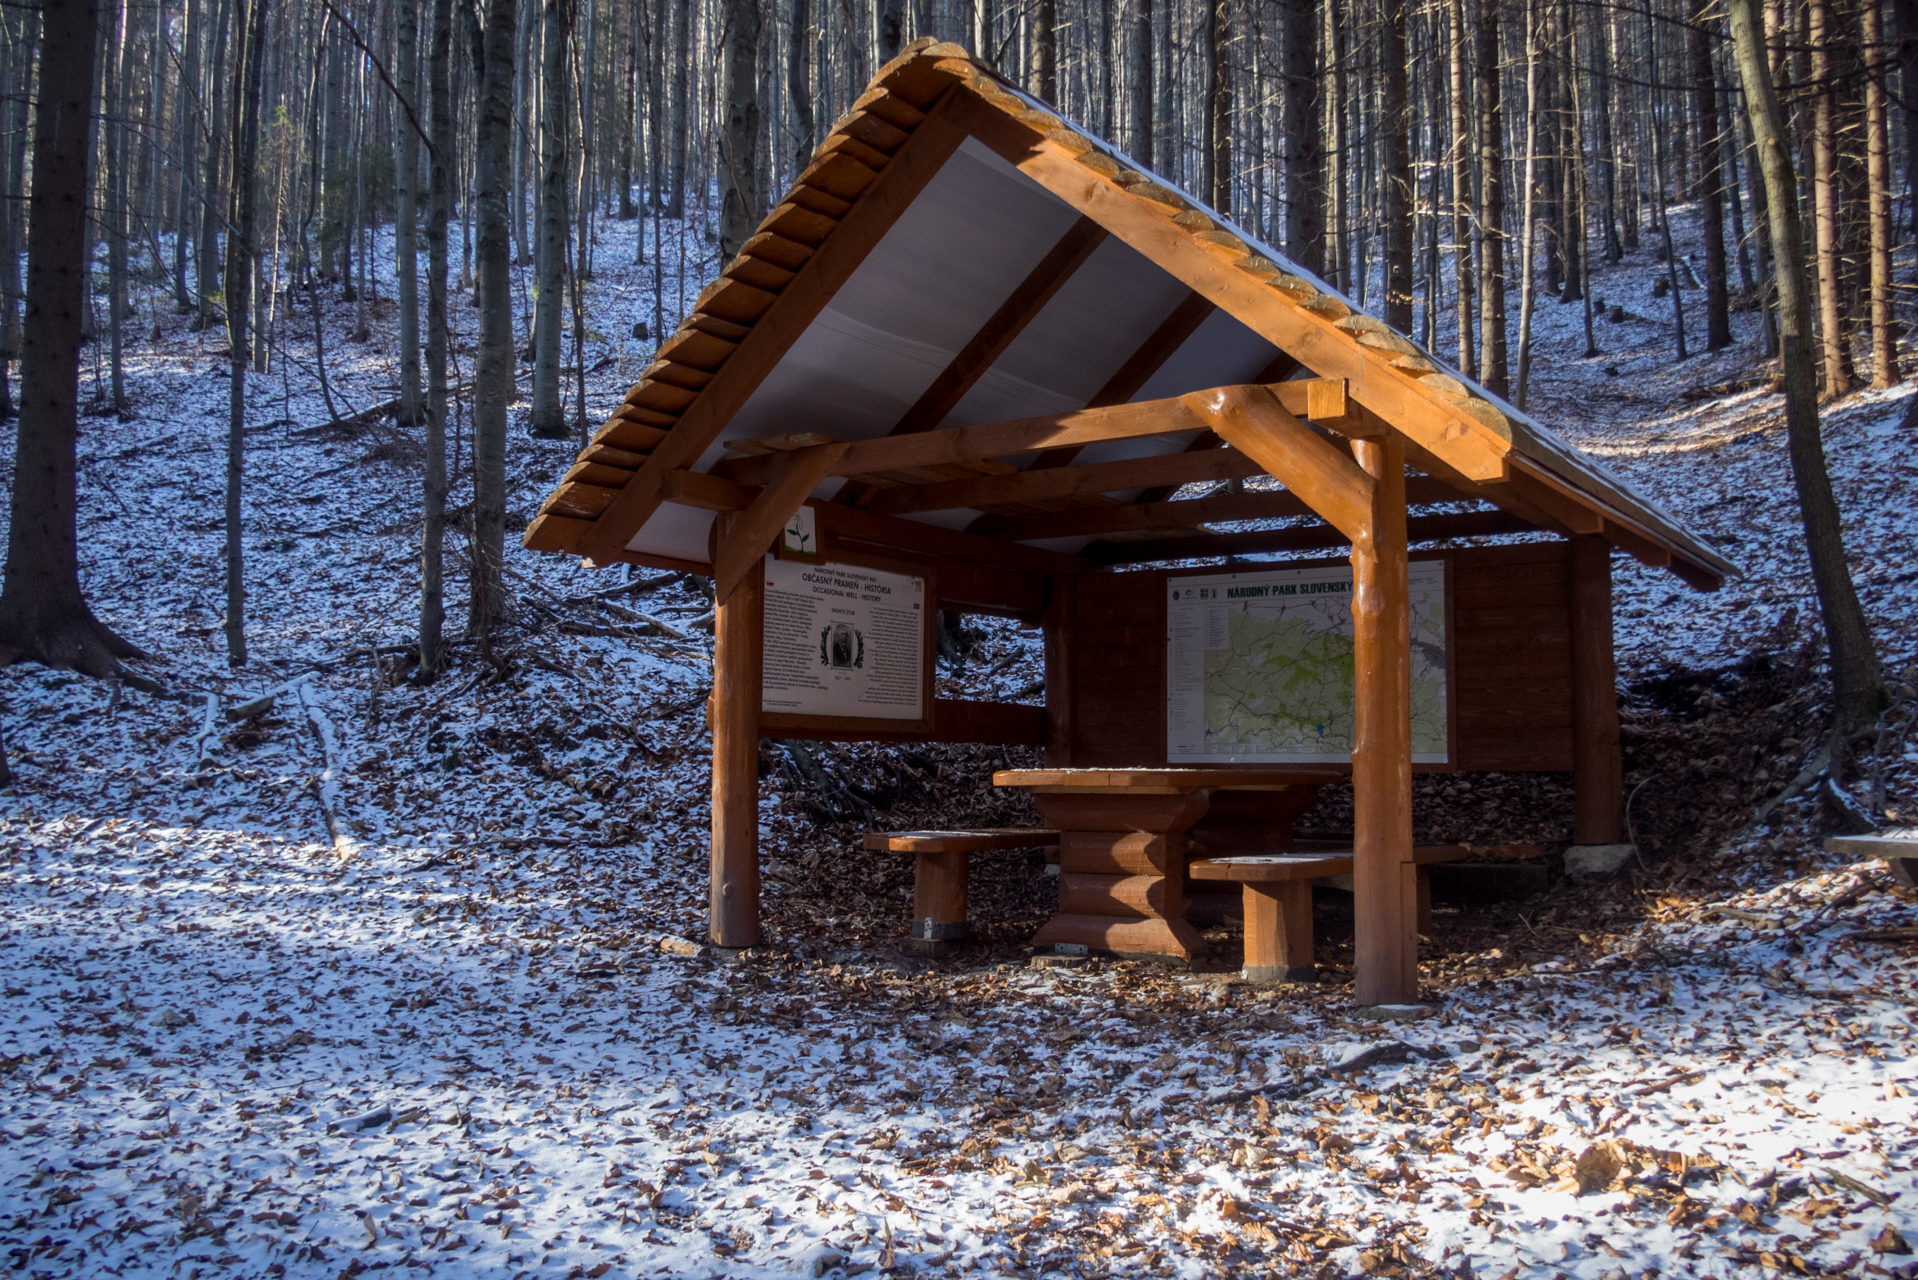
[{"x": 945, "y": 266}]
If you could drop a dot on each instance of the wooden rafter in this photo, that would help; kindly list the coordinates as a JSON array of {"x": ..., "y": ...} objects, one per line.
[
  {"x": 1020, "y": 308},
  {"x": 1257, "y": 423},
  {"x": 1312, "y": 537},
  {"x": 1085, "y": 479},
  {"x": 1130, "y": 378},
  {"x": 1190, "y": 513},
  {"x": 1313, "y": 397}
]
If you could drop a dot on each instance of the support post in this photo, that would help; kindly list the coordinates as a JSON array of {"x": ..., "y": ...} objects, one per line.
[
  {"x": 1598, "y": 781},
  {"x": 738, "y": 662},
  {"x": 1385, "y": 948},
  {"x": 1062, "y": 592}
]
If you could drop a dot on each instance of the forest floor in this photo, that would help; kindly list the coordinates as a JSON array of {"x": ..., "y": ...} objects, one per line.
[{"x": 465, "y": 1031}]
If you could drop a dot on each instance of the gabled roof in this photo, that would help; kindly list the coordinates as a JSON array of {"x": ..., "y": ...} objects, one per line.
[{"x": 957, "y": 254}]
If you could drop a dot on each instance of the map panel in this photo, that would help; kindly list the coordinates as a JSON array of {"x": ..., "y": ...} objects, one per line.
[{"x": 1259, "y": 667}]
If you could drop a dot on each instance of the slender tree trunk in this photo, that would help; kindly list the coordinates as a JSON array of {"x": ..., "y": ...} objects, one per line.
[
  {"x": 493, "y": 364},
  {"x": 1215, "y": 174},
  {"x": 1395, "y": 168},
  {"x": 405, "y": 230},
  {"x": 439, "y": 194},
  {"x": 549, "y": 418},
  {"x": 1824, "y": 183},
  {"x": 1884, "y": 343},
  {"x": 43, "y": 614},
  {"x": 680, "y": 104},
  {"x": 799, "y": 84},
  {"x": 1527, "y": 289},
  {"x": 1711, "y": 192},
  {"x": 739, "y": 202},
  {"x": 250, "y": 19},
  {"x": 1142, "y": 101},
  {"x": 1461, "y": 157},
  {"x": 1857, "y": 688},
  {"x": 629, "y": 121},
  {"x": 1493, "y": 372},
  {"x": 207, "y": 243},
  {"x": 187, "y": 143},
  {"x": 1905, "y": 14},
  {"x": 1607, "y": 142},
  {"x": 1670, "y": 253},
  {"x": 1046, "y": 40},
  {"x": 120, "y": 76},
  {"x": 892, "y": 29}
]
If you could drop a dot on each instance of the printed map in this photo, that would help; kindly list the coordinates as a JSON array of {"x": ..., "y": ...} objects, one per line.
[{"x": 1260, "y": 666}]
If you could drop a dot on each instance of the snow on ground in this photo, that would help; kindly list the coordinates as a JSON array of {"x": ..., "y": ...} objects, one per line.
[{"x": 479, "y": 1044}]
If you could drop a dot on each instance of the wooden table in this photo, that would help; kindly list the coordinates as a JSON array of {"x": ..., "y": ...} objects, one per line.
[{"x": 1125, "y": 836}]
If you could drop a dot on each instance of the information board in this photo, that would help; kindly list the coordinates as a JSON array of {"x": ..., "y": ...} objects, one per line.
[
  {"x": 1259, "y": 667},
  {"x": 843, "y": 640}
]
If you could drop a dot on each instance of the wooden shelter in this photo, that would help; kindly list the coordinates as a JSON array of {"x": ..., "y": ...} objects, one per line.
[{"x": 973, "y": 358}]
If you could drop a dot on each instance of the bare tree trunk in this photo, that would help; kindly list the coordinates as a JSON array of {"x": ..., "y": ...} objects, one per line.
[
  {"x": 1142, "y": 103},
  {"x": 1527, "y": 289},
  {"x": 1884, "y": 341},
  {"x": 799, "y": 84},
  {"x": 1215, "y": 172},
  {"x": 405, "y": 231},
  {"x": 1711, "y": 192},
  {"x": 1046, "y": 40},
  {"x": 549, "y": 418},
  {"x": 1461, "y": 156},
  {"x": 1857, "y": 687},
  {"x": 739, "y": 202},
  {"x": 1905, "y": 13},
  {"x": 120, "y": 77},
  {"x": 187, "y": 142},
  {"x": 1663, "y": 205},
  {"x": 629, "y": 121},
  {"x": 1493, "y": 372},
  {"x": 207, "y": 243},
  {"x": 1395, "y": 168},
  {"x": 1824, "y": 183},
  {"x": 439, "y": 194},
  {"x": 1607, "y": 142},
  {"x": 892, "y": 29},
  {"x": 43, "y": 615},
  {"x": 250, "y": 19},
  {"x": 493, "y": 363}
]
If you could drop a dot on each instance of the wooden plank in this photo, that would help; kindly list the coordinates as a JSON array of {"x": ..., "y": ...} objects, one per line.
[
  {"x": 1477, "y": 450},
  {"x": 1185, "y": 779},
  {"x": 1086, "y": 479},
  {"x": 799, "y": 474},
  {"x": 1019, "y": 309},
  {"x": 855, "y": 525},
  {"x": 762, "y": 348},
  {"x": 1469, "y": 524},
  {"x": 985, "y": 840},
  {"x": 1598, "y": 781},
  {"x": 738, "y": 663},
  {"x": 770, "y": 247},
  {"x": 1188, "y": 514},
  {"x": 1254, "y": 422},
  {"x": 1005, "y": 723}
]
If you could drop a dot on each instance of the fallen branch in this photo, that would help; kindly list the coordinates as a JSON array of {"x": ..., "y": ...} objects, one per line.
[
  {"x": 1659, "y": 1086},
  {"x": 325, "y": 785}
]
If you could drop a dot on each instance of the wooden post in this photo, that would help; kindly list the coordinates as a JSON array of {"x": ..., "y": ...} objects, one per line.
[
  {"x": 1598, "y": 780},
  {"x": 1278, "y": 932},
  {"x": 738, "y": 660},
  {"x": 1062, "y": 594},
  {"x": 1385, "y": 959}
]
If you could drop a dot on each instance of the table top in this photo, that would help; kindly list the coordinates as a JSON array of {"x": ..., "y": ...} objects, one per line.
[{"x": 1171, "y": 779}]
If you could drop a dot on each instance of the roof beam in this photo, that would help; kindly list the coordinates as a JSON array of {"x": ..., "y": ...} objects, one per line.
[
  {"x": 1253, "y": 421},
  {"x": 1313, "y": 397},
  {"x": 1130, "y": 378},
  {"x": 1019, "y": 309},
  {"x": 1470, "y": 524},
  {"x": 1147, "y": 517},
  {"x": 1278, "y": 369},
  {"x": 1474, "y": 448},
  {"x": 1087, "y": 479},
  {"x": 865, "y": 224},
  {"x": 799, "y": 473}
]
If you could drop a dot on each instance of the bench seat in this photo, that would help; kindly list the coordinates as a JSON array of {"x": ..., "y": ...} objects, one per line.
[
  {"x": 1277, "y": 892},
  {"x": 941, "y": 863}
]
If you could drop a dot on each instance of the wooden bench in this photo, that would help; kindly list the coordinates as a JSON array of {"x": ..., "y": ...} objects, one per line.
[
  {"x": 941, "y": 862},
  {"x": 1900, "y": 852},
  {"x": 1277, "y": 891}
]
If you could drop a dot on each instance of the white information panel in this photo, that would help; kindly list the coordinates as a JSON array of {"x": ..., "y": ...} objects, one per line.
[
  {"x": 844, "y": 641},
  {"x": 1259, "y": 667}
]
